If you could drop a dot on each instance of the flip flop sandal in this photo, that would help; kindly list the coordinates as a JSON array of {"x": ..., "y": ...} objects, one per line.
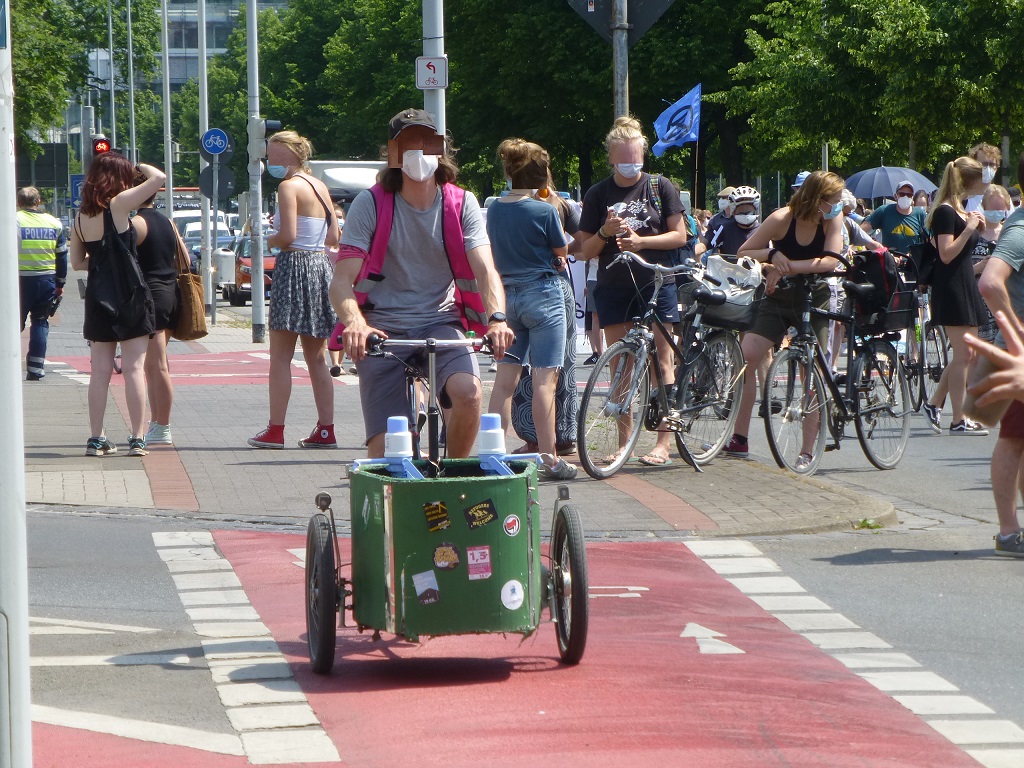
[{"x": 654, "y": 460}]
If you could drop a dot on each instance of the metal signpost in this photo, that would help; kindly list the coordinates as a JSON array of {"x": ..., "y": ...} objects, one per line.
[
  {"x": 215, "y": 145},
  {"x": 622, "y": 23},
  {"x": 15, "y": 690}
]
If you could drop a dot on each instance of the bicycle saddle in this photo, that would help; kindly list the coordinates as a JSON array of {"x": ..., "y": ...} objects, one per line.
[
  {"x": 713, "y": 297},
  {"x": 862, "y": 291}
]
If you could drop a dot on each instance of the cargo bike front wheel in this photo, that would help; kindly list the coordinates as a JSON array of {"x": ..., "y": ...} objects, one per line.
[
  {"x": 323, "y": 590},
  {"x": 570, "y": 586}
]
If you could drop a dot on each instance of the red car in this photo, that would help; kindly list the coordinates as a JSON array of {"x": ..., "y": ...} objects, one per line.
[{"x": 241, "y": 291}]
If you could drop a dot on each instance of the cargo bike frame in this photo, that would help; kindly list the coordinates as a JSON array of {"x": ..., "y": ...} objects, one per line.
[{"x": 443, "y": 546}]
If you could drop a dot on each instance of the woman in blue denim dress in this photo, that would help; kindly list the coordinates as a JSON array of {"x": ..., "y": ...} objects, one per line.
[{"x": 529, "y": 251}]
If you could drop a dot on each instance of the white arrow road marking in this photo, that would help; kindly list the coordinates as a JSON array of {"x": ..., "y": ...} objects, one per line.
[
  {"x": 300, "y": 557},
  {"x": 175, "y": 735},
  {"x": 629, "y": 591},
  {"x": 706, "y": 641}
]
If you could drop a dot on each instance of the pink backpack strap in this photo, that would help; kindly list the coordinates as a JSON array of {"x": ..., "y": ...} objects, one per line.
[
  {"x": 370, "y": 271},
  {"x": 467, "y": 289}
]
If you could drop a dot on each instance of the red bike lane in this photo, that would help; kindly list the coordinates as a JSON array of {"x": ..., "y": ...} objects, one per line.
[{"x": 642, "y": 694}]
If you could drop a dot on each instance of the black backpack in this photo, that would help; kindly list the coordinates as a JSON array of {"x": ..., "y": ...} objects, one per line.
[{"x": 880, "y": 270}]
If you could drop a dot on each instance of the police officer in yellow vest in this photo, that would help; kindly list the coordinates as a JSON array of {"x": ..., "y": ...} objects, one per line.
[{"x": 42, "y": 269}]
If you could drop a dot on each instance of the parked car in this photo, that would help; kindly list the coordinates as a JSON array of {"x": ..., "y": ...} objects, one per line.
[
  {"x": 241, "y": 291},
  {"x": 194, "y": 245}
]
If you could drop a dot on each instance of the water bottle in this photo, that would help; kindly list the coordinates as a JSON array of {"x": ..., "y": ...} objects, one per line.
[
  {"x": 490, "y": 443},
  {"x": 398, "y": 449}
]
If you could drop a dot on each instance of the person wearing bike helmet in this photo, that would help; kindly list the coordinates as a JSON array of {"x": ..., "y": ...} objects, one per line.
[{"x": 745, "y": 203}]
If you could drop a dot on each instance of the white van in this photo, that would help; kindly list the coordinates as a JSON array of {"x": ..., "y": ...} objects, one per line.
[
  {"x": 183, "y": 218},
  {"x": 346, "y": 178}
]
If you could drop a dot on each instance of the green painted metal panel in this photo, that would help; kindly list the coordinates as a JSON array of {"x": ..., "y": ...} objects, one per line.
[{"x": 458, "y": 554}]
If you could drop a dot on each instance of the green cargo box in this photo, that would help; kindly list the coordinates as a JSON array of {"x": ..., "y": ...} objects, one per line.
[{"x": 459, "y": 554}]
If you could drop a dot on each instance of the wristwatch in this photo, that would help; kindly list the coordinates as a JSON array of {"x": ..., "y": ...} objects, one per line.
[{"x": 497, "y": 317}]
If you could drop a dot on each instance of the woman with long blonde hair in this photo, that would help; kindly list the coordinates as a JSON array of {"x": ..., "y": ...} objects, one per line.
[
  {"x": 956, "y": 303},
  {"x": 300, "y": 305}
]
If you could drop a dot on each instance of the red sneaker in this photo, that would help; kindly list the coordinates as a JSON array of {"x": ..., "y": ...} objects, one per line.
[
  {"x": 271, "y": 437},
  {"x": 321, "y": 437}
]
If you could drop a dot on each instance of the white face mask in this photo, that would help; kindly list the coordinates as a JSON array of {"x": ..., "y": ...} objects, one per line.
[
  {"x": 723, "y": 204},
  {"x": 417, "y": 166},
  {"x": 745, "y": 219},
  {"x": 629, "y": 170},
  {"x": 904, "y": 202},
  {"x": 987, "y": 174}
]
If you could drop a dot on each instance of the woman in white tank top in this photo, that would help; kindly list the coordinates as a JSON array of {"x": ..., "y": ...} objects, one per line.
[{"x": 299, "y": 304}]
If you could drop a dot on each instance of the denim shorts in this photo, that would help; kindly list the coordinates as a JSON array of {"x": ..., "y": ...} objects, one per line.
[{"x": 536, "y": 314}]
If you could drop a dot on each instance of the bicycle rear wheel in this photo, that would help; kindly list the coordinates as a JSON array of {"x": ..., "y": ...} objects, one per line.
[
  {"x": 794, "y": 381},
  {"x": 913, "y": 366},
  {"x": 936, "y": 358},
  {"x": 708, "y": 396},
  {"x": 881, "y": 412},
  {"x": 612, "y": 409}
]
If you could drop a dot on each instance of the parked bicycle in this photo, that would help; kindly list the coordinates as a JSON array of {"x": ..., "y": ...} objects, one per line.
[
  {"x": 620, "y": 399},
  {"x": 874, "y": 395},
  {"x": 926, "y": 352}
]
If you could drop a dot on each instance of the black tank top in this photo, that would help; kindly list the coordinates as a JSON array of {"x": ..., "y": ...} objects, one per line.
[
  {"x": 795, "y": 251},
  {"x": 157, "y": 252}
]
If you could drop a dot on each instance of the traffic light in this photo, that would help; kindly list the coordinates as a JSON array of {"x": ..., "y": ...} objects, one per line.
[
  {"x": 258, "y": 130},
  {"x": 100, "y": 144}
]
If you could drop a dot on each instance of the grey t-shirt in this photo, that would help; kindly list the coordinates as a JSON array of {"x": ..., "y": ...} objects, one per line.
[
  {"x": 418, "y": 288},
  {"x": 1010, "y": 249}
]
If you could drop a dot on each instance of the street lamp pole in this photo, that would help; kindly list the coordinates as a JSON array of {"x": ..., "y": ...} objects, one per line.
[
  {"x": 204, "y": 126},
  {"x": 110, "y": 54},
  {"x": 165, "y": 65},
  {"x": 131, "y": 85}
]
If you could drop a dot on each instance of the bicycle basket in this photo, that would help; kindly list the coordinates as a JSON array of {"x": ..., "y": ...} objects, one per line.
[
  {"x": 742, "y": 282},
  {"x": 897, "y": 316}
]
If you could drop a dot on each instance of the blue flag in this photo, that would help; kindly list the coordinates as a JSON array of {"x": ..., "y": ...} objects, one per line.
[{"x": 679, "y": 124}]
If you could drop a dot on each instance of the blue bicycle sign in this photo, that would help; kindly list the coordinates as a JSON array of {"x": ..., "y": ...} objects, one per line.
[{"x": 215, "y": 141}]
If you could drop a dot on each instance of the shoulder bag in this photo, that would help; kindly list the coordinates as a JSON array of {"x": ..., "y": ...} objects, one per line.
[{"x": 191, "y": 323}]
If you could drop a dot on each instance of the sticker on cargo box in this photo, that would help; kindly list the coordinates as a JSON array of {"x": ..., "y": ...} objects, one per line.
[
  {"x": 426, "y": 587},
  {"x": 437, "y": 516},
  {"x": 481, "y": 514},
  {"x": 512, "y": 595},
  {"x": 511, "y": 525},
  {"x": 478, "y": 562},
  {"x": 446, "y": 557}
]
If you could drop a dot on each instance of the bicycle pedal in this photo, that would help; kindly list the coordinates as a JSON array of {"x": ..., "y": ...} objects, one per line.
[{"x": 832, "y": 447}]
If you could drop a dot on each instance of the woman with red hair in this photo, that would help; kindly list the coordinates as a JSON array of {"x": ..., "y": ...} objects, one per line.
[{"x": 108, "y": 196}]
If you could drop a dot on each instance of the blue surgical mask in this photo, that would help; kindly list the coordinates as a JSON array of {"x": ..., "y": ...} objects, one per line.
[
  {"x": 836, "y": 210},
  {"x": 995, "y": 216},
  {"x": 277, "y": 171},
  {"x": 629, "y": 170}
]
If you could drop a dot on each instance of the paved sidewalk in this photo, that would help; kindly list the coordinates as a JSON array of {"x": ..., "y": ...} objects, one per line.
[{"x": 211, "y": 475}]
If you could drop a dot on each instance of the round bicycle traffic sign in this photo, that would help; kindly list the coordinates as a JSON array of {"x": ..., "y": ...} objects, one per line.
[{"x": 215, "y": 141}]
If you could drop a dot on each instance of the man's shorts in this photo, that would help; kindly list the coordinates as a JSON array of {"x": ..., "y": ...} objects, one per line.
[
  {"x": 382, "y": 389},
  {"x": 783, "y": 309},
  {"x": 1012, "y": 425}
]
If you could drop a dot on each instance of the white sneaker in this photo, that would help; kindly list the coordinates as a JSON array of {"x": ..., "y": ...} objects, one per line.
[
  {"x": 159, "y": 434},
  {"x": 493, "y": 368}
]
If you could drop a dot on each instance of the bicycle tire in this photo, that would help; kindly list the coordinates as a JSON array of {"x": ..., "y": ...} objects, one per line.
[
  {"x": 797, "y": 384},
  {"x": 322, "y": 594},
  {"x": 570, "y": 584},
  {"x": 708, "y": 396},
  {"x": 913, "y": 369},
  {"x": 936, "y": 358},
  {"x": 881, "y": 411},
  {"x": 612, "y": 409}
]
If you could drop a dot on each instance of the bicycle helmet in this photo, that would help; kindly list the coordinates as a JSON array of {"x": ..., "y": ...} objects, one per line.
[{"x": 744, "y": 195}]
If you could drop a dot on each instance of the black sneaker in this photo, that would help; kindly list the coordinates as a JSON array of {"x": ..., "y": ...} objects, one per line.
[
  {"x": 99, "y": 446},
  {"x": 137, "y": 446},
  {"x": 592, "y": 359},
  {"x": 736, "y": 447},
  {"x": 934, "y": 415},
  {"x": 967, "y": 427},
  {"x": 1010, "y": 546}
]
